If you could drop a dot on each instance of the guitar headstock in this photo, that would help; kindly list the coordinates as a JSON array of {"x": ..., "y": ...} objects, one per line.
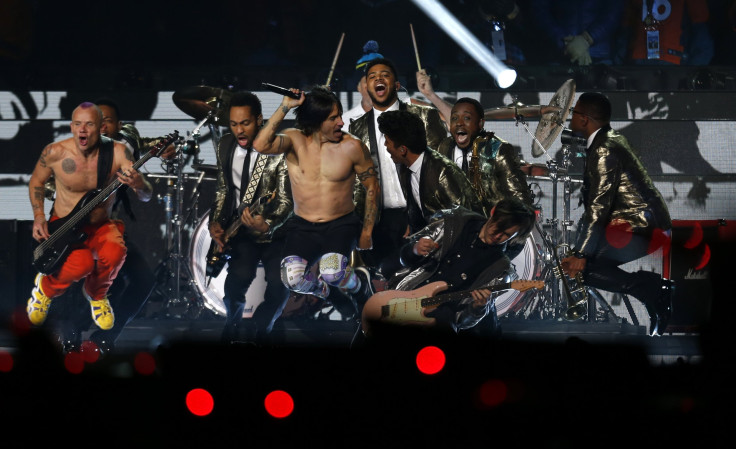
[
  {"x": 523, "y": 286},
  {"x": 159, "y": 148}
]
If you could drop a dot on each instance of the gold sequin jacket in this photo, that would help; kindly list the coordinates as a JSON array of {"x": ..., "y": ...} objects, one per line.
[
  {"x": 500, "y": 168},
  {"x": 275, "y": 178},
  {"x": 617, "y": 188}
]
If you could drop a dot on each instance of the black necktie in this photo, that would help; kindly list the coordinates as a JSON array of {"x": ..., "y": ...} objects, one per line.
[
  {"x": 244, "y": 178},
  {"x": 465, "y": 161}
]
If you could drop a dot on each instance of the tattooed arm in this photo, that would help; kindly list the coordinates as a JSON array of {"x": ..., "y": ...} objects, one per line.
[
  {"x": 367, "y": 176},
  {"x": 268, "y": 141},
  {"x": 129, "y": 176},
  {"x": 36, "y": 189}
]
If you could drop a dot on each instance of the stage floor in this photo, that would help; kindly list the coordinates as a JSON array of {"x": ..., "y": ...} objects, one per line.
[{"x": 147, "y": 334}]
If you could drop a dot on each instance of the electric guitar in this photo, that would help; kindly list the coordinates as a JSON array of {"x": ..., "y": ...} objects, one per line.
[
  {"x": 410, "y": 307},
  {"x": 217, "y": 259},
  {"x": 66, "y": 233}
]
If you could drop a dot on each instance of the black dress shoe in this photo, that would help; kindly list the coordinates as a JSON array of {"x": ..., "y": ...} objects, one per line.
[
  {"x": 366, "y": 287},
  {"x": 653, "y": 321}
]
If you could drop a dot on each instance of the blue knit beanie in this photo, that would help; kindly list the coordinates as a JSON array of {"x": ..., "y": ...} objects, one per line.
[{"x": 370, "y": 52}]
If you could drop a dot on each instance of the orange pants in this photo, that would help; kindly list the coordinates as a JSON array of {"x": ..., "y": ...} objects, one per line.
[{"x": 98, "y": 260}]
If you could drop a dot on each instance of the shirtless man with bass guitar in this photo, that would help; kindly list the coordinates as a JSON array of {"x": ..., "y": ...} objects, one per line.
[{"x": 80, "y": 240}]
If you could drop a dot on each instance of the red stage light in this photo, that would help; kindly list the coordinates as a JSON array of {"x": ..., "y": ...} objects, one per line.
[
  {"x": 200, "y": 402},
  {"x": 144, "y": 363},
  {"x": 74, "y": 362},
  {"x": 279, "y": 404},
  {"x": 493, "y": 392},
  {"x": 430, "y": 360},
  {"x": 6, "y": 361}
]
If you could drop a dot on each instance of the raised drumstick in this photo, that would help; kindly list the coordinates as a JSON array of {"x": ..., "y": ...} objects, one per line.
[
  {"x": 416, "y": 51},
  {"x": 334, "y": 61}
]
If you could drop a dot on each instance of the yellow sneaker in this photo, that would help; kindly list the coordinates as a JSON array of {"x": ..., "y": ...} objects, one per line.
[
  {"x": 38, "y": 303},
  {"x": 102, "y": 313}
]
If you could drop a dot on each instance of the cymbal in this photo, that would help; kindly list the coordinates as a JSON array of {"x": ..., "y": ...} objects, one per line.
[
  {"x": 551, "y": 123},
  {"x": 514, "y": 110},
  {"x": 207, "y": 168},
  {"x": 198, "y": 101}
]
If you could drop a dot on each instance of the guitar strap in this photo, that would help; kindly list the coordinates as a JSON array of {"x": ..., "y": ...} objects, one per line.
[
  {"x": 104, "y": 161},
  {"x": 250, "y": 191}
]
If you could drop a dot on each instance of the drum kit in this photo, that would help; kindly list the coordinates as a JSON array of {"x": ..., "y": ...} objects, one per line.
[
  {"x": 563, "y": 298},
  {"x": 537, "y": 260},
  {"x": 209, "y": 106}
]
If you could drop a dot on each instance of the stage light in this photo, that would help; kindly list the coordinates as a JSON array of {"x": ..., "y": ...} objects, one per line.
[
  {"x": 144, "y": 363},
  {"x": 430, "y": 360},
  {"x": 279, "y": 404},
  {"x": 6, "y": 361},
  {"x": 200, "y": 402},
  {"x": 492, "y": 393},
  {"x": 503, "y": 75}
]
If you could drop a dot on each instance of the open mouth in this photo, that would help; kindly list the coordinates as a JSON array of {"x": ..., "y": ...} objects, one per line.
[
  {"x": 380, "y": 89},
  {"x": 243, "y": 141},
  {"x": 462, "y": 138},
  {"x": 83, "y": 140}
]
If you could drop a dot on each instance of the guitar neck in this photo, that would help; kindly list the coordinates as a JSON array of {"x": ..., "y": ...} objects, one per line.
[
  {"x": 457, "y": 296},
  {"x": 103, "y": 195}
]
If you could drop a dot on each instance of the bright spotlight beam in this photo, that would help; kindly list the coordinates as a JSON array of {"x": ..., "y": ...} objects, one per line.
[{"x": 503, "y": 75}]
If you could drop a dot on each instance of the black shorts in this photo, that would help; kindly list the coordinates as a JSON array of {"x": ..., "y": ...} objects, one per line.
[{"x": 313, "y": 240}]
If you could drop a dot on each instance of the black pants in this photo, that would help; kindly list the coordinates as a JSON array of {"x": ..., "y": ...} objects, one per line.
[
  {"x": 311, "y": 241},
  {"x": 246, "y": 255},
  {"x": 602, "y": 270},
  {"x": 388, "y": 238}
]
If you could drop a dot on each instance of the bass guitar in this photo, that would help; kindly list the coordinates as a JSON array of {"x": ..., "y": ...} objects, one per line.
[
  {"x": 67, "y": 233},
  {"x": 410, "y": 307},
  {"x": 217, "y": 259}
]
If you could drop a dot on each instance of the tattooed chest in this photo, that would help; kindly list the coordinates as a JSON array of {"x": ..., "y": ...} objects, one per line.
[{"x": 75, "y": 176}]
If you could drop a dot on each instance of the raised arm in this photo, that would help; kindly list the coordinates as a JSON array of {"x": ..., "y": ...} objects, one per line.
[
  {"x": 367, "y": 176},
  {"x": 268, "y": 141},
  {"x": 36, "y": 190},
  {"x": 424, "y": 84}
]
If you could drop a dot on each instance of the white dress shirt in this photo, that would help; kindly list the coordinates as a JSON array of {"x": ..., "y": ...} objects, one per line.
[
  {"x": 238, "y": 159},
  {"x": 416, "y": 169},
  {"x": 390, "y": 186}
]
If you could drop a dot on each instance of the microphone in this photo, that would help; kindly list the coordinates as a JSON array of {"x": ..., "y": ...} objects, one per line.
[{"x": 281, "y": 91}]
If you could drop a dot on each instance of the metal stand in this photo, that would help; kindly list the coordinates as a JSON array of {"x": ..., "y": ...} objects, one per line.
[
  {"x": 551, "y": 303},
  {"x": 174, "y": 270}
]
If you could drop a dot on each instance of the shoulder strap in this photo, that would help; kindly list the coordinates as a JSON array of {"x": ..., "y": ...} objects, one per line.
[{"x": 104, "y": 161}]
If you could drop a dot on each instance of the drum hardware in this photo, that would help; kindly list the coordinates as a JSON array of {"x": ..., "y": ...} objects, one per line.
[
  {"x": 556, "y": 301},
  {"x": 576, "y": 298},
  {"x": 518, "y": 110},
  {"x": 173, "y": 271},
  {"x": 553, "y": 121},
  {"x": 209, "y": 104}
]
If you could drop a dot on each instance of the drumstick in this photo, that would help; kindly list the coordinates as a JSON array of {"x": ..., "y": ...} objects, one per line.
[
  {"x": 334, "y": 61},
  {"x": 416, "y": 51}
]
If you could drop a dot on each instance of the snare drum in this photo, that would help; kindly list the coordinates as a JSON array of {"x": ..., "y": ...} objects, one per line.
[
  {"x": 529, "y": 264},
  {"x": 213, "y": 294}
]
